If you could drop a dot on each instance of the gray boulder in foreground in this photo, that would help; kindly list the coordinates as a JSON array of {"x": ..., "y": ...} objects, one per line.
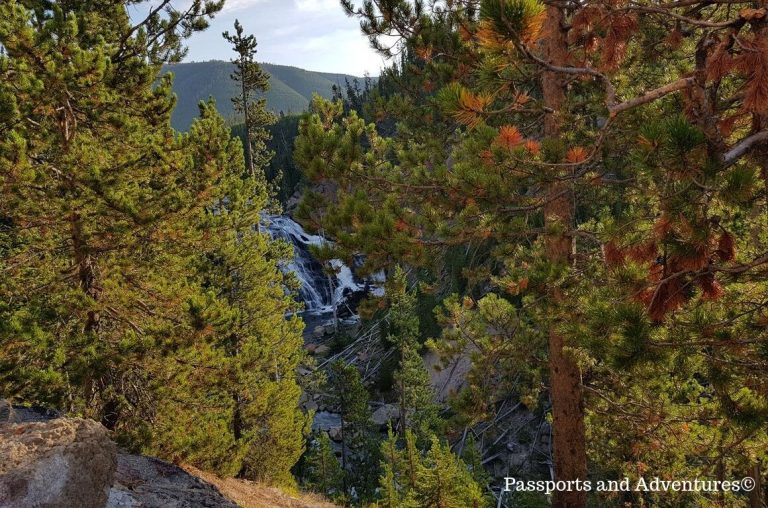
[
  {"x": 146, "y": 482},
  {"x": 49, "y": 461},
  {"x": 63, "y": 463}
]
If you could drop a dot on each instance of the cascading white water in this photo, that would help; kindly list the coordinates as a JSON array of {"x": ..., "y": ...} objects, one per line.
[{"x": 321, "y": 293}]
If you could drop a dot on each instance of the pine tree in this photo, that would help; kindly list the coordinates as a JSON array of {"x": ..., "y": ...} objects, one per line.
[
  {"x": 390, "y": 495},
  {"x": 437, "y": 478},
  {"x": 531, "y": 192},
  {"x": 670, "y": 274},
  {"x": 253, "y": 80},
  {"x": 359, "y": 444},
  {"x": 246, "y": 390},
  {"x": 323, "y": 471},
  {"x": 138, "y": 291},
  {"x": 396, "y": 485},
  {"x": 411, "y": 461},
  {"x": 443, "y": 481},
  {"x": 473, "y": 458},
  {"x": 390, "y": 498},
  {"x": 418, "y": 410},
  {"x": 99, "y": 202}
]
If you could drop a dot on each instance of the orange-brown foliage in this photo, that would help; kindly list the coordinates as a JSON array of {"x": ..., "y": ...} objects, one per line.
[
  {"x": 576, "y": 154},
  {"x": 750, "y": 14},
  {"x": 674, "y": 39},
  {"x": 726, "y": 248},
  {"x": 612, "y": 255},
  {"x": 596, "y": 28},
  {"x": 753, "y": 63},
  {"x": 488, "y": 38},
  {"x": 666, "y": 297},
  {"x": 662, "y": 227},
  {"x": 720, "y": 62},
  {"x": 710, "y": 288},
  {"x": 509, "y": 136},
  {"x": 620, "y": 30},
  {"x": 646, "y": 251},
  {"x": 697, "y": 259},
  {"x": 533, "y": 147}
]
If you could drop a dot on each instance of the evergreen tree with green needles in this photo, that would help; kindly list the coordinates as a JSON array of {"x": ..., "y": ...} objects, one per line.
[
  {"x": 137, "y": 290},
  {"x": 323, "y": 472},
  {"x": 443, "y": 481},
  {"x": 253, "y": 81},
  {"x": 434, "y": 479},
  {"x": 359, "y": 443},
  {"x": 418, "y": 410},
  {"x": 396, "y": 487}
]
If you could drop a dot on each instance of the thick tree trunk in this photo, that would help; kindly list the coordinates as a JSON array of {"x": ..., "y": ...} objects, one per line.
[
  {"x": 569, "y": 439},
  {"x": 109, "y": 410},
  {"x": 86, "y": 272},
  {"x": 756, "y": 495}
]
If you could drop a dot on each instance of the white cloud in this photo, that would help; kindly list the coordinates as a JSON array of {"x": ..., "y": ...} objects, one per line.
[
  {"x": 284, "y": 31},
  {"x": 317, "y": 5},
  {"x": 310, "y": 34},
  {"x": 237, "y": 5},
  {"x": 342, "y": 50}
]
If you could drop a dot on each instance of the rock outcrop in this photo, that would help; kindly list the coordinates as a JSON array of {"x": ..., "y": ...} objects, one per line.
[
  {"x": 60, "y": 463},
  {"x": 6, "y": 412},
  {"x": 48, "y": 461},
  {"x": 146, "y": 482},
  {"x": 386, "y": 414}
]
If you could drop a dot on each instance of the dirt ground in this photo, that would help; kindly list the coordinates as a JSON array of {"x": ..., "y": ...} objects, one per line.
[{"x": 253, "y": 495}]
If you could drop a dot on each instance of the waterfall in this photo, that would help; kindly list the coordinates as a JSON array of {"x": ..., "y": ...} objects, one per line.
[{"x": 322, "y": 294}]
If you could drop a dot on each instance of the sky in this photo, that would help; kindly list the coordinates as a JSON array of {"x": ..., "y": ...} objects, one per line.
[{"x": 311, "y": 34}]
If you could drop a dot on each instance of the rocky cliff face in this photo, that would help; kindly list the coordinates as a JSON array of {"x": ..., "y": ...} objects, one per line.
[
  {"x": 52, "y": 462},
  {"x": 147, "y": 482},
  {"x": 63, "y": 462},
  {"x": 48, "y": 461}
]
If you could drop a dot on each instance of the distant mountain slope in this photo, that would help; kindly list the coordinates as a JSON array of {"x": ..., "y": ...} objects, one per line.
[{"x": 290, "y": 92}]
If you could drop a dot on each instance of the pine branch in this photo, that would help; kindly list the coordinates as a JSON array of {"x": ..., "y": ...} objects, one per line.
[
  {"x": 761, "y": 260},
  {"x": 742, "y": 147},
  {"x": 691, "y": 21},
  {"x": 651, "y": 96},
  {"x": 610, "y": 91},
  {"x": 152, "y": 13}
]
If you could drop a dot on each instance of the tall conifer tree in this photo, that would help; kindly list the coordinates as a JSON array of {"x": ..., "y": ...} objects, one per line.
[
  {"x": 502, "y": 79},
  {"x": 416, "y": 398},
  {"x": 98, "y": 194},
  {"x": 359, "y": 452},
  {"x": 323, "y": 471},
  {"x": 253, "y": 80},
  {"x": 136, "y": 288}
]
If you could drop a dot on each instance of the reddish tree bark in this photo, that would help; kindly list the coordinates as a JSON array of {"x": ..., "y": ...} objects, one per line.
[{"x": 569, "y": 438}]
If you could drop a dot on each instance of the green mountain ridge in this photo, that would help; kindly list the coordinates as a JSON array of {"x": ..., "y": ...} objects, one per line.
[{"x": 290, "y": 92}]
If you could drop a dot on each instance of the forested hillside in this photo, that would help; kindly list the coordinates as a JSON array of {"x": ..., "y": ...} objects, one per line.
[
  {"x": 283, "y": 172},
  {"x": 290, "y": 89}
]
